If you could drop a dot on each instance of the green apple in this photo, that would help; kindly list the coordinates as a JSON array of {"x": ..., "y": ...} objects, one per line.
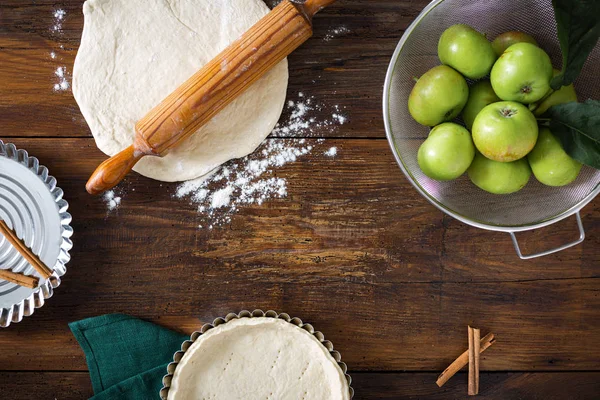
[
  {"x": 467, "y": 51},
  {"x": 447, "y": 152},
  {"x": 498, "y": 177},
  {"x": 565, "y": 94},
  {"x": 438, "y": 96},
  {"x": 481, "y": 94},
  {"x": 505, "y": 131},
  {"x": 550, "y": 163},
  {"x": 522, "y": 73},
  {"x": 507, "y": 39}
]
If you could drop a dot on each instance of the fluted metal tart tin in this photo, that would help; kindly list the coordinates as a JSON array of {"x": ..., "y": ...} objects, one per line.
[
  {"x": 32, "y": 204},
  {"x": 178, "y": 356}
]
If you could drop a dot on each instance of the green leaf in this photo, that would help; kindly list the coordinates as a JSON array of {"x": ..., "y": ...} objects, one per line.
[
  {"x": 578, "y": 24},
  {"x": 577, "y": 125}
]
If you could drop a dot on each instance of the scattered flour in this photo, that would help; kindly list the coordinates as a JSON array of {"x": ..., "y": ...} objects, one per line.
[
  {"x": 222, "y": 197},
  {"x": 302, "y": 120},
  {"x": 341, "y": 119},
  {"x": 253, "y": 180},
  {"x": 112, "y": 200},
  {"x": 250, "y": 180},
  {"x": 59, "y": 16},
  {"x": 60, "y": 73},
  {"x": 332, "y": 152},
  {"x": 335, "y": 32},
  {"x": 63, "y": 83}
]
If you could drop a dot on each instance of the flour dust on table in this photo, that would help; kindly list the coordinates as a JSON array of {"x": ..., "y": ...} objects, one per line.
[
  {"x": 63, "y": 83},
  {"x": 303, "y": 121},
  {"x": 112, "y": 198},
  {"x": 61, "y": 76},
  {"x": 335, "y": 32},
  {"x": 59, "y": 16},
  {"x": 253, "y": 179},
  {"x": 332, "y": 152}
]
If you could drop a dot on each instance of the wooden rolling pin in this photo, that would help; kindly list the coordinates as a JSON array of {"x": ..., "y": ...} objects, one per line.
[{"x": 212, "y": 88}]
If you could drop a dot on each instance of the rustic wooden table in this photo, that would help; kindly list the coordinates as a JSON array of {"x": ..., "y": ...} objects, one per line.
[{"x": 352, "y": 249}]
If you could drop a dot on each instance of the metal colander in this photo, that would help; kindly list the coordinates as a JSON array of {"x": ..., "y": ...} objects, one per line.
[{"x": 536, "y": 205}]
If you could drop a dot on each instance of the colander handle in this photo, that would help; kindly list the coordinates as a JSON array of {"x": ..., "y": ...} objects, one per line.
[{"x": 551, "y": 251}]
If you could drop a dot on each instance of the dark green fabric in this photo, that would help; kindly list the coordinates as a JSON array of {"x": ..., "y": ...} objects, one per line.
[{"x": 127, "y": 357}]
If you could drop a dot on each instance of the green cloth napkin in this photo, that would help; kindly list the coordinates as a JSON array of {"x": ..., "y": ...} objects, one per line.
[{"x": 127, "y": 357}]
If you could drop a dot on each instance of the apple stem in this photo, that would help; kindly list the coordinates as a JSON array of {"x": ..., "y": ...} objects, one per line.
[{"x": 415, "y": 79}]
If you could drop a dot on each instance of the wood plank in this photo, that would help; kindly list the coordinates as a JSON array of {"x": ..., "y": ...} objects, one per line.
[
  {"x": 499, "y": 386},
  {"x": 398, "y": 386},
  {"x": 345, "y": 71},
  {"x": 380, "y": 326},
  {"x": 46, "y": 385},
  {"x": 383, "y": 276}
]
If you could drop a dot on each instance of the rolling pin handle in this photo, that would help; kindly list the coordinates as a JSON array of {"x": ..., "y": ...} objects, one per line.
[
  {"x": 113, "y": 170},
  {"x": 311, "y": 7}
]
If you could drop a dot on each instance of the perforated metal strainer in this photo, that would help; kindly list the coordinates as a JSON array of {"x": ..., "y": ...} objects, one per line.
[{"x": 536, "y": 205}]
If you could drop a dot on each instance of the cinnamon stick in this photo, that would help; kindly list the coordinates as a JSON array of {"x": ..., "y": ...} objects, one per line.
[
  {"x": 30, "y": 282},
  {"x": 463, "y": 359},
  {"x": 25, "y": 251},
  {"x": 471, "y": 362},
  {"x": 476, "y": 350}
]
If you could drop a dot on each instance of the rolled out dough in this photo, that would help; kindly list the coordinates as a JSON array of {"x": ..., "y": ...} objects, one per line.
[{"x": 134, "y": 53}]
